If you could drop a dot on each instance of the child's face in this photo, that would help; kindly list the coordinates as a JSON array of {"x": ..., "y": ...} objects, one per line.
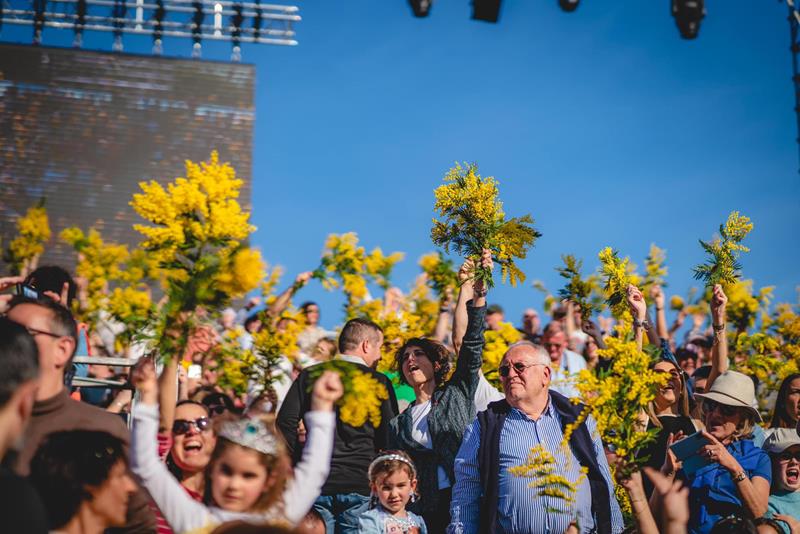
[
  {"x": 238, "y": 479},
  {"x": 394, "y": 490}
]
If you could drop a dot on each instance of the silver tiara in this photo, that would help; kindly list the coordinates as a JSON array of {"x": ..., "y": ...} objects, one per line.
[
  {"x": 389, "y": 458},
  {"x": 250, "y": 433}
]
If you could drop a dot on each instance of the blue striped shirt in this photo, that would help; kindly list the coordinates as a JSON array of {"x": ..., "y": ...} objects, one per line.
[{"x": 520, "y": 511}]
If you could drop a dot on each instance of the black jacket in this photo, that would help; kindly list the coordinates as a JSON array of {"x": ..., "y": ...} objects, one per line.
[{"x": 353, "y": 448}]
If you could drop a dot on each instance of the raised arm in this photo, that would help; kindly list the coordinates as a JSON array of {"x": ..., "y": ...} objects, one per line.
[
  {"x": 282, "y": 301},
  {"x": 167, "y": 394},
  {"x": 638, "y": 308},
  {"x": 181, "y": 511},
  {"x": 661, "y": 317},
  {"x": 719, "y": 350},
  {"x": 465, "y": 294}
]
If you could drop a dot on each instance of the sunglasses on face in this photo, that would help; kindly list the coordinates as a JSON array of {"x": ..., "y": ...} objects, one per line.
[
  {"x": 710, "y": 405},
  {"x": 519, "y": 367},
  {"x": 787, "y": 456},
  {"x": 182, "y": 426}
]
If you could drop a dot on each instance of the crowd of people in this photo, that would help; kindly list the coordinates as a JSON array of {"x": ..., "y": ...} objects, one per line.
[{"x": 174, "y": 451}]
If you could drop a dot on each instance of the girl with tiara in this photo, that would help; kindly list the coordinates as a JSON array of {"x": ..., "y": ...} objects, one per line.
[
  {"x": 393, "y": 481},
  {"x": 248, "y": 474}
]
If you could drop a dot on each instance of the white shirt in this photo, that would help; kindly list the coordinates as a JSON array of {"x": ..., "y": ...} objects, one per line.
[
  {"x": 562, "y": 379},
  {"x": 420, "y": 434}
]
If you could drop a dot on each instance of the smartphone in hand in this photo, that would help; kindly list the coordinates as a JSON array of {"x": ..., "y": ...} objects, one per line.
[{"x": 688, "y": 451}]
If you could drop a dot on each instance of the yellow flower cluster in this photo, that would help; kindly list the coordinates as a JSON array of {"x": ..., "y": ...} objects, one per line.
[
  {"x": 655, "y": 271},
  {"x": 398, "y": 325},
  {"x": 618, "y": 273},
  {"x": 243, "y": 272},
  {"x": 617, "y": 397},
  {"x": 676, "y": 303},
  {"x": 466, "y": 191},
  {"x": 497, "y": 343},
  {"x": 235, "y": 364},
  {"x": 722, "y": 266},
  {"x": 379, "y": 267},
  {"x": 130, "y": 304},
  {"x": 472, "y": 218},
  {"x": 345, "y": 264},
  {"x": 363, "y": 394},
  {"x": 99, "y": 263},
  {"x": 439, "y": 275},
  {"x": 743, "y": 305},
  {"x": 199, "y": 208},
  {"x": 362, "y": 401},
  {"x": 541, "y": 467},
  {"x": 280, "y": 339},
  {"x": 764, "y": 359},
  {"x": 33, "y": 231}
]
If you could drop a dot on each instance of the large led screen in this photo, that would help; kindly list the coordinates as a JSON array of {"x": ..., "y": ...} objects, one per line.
[{"x": 81, "y": 129}]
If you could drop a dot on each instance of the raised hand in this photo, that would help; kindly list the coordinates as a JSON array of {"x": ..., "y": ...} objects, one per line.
[
  {"x": 636, "y": 302},
  {"x": 143, "y": 378},
  {"x": 718, "y": 303},
  {"x": 327, "y": 390},
  {"x": 715, "y": 451},
  {"x": 658, "y": 296},
  {"x": 488, "y": 264}
]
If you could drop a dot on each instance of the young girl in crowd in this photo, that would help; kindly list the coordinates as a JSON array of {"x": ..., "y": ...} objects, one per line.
[
  {"x": 393, "y": 482},
  {"x": 248, "y": 471}
]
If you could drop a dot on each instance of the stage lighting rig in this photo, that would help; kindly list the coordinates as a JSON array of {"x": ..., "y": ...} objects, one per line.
[
  {"x": 688, "y": 14},
  {"x": 421, "y": 8},
  {"x": 198, "y": 20},
  {"x": 486, "y": 10},
  {"x": 568, "y": 5}
]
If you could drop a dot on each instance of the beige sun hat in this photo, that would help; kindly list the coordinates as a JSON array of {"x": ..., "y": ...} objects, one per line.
[
  {"x": 733, "y": 389},
  {"x": 780, "y": 439}
]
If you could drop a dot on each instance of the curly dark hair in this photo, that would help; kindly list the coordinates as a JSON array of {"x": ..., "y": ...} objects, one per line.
[
  {"x": 436, "y": 353},
  {"x": 66, "y": 463}
]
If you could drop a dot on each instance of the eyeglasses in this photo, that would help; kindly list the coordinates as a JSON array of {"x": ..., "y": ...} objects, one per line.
[
  {"x": 519, "y": 367},
  {"x": 553, "y": 345},
  {"x": 710, "y": 405},
  {"x": 34, "y": 332},
  {"x": 183, "y": 426}
]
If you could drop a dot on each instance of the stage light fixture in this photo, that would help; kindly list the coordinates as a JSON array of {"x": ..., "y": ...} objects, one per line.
[
  {"x": 568, "y": 5},
  {"x": 39, "y": 8},
  {"x": 421, "y": 8},
  {"x": 486, "y": 10},
  {"x": 197, "y": 22},
  {"x": 257, "y": 21},
  {"x": 688, "y": 14}
]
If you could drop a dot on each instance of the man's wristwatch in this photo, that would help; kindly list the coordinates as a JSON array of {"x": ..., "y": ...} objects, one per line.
[{"x": 739, "y": 477}]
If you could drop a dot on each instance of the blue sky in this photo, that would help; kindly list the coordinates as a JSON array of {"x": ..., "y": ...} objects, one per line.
[{"x": 603, "y": 124}]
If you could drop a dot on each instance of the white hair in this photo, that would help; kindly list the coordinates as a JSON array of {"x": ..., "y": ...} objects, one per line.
[{"x": 539, "y": 354}]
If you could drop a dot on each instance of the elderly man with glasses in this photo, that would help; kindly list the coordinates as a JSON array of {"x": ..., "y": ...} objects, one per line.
[{"x": 487, "y": 498}]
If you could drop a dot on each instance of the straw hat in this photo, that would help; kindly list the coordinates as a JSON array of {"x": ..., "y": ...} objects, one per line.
[{"x": 733, "y": 389}]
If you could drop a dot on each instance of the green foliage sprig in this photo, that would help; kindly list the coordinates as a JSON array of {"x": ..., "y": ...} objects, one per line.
[
  {"x": 577, "y": 290},
  {"x": 472, "y": 218},
  {"x": 722, "y": 266}
]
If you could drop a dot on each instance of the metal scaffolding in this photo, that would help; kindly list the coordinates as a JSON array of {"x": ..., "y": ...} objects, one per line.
[{"x": 199, "y": 20}]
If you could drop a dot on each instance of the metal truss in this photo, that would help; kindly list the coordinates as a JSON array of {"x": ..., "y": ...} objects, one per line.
[{"x": 199, "y": 20}]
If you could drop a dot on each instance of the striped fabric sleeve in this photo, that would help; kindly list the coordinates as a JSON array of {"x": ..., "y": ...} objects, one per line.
[{"x": 465, "y": 503}]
